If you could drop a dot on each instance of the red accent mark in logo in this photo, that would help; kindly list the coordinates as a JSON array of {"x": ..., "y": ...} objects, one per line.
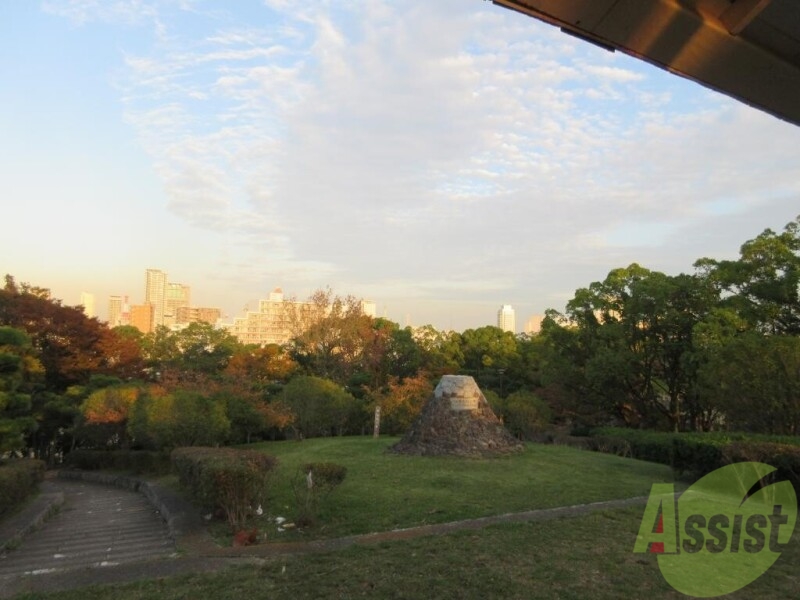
[{"x": 658, "y": 547}]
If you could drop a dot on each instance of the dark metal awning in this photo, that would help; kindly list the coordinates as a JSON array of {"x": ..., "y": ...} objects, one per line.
[{"x": 746, "y": 49}]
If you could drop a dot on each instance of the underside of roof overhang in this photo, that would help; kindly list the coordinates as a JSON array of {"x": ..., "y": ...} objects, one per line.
[{"x": 747, "y": 49}]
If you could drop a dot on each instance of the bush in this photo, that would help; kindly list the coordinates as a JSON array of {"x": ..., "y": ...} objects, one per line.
[
  {"x": 525, "y": 414},
  {"x": 18, "y": 479},
  {"x": 317, "y": 482},
  {"x": 610, "y": 445},
  {"x": 784, "y": 457},
  {"x": 701, "y": 453},
  {"x": 135, "y": 461},
  {"x": 233, "y": 481}
]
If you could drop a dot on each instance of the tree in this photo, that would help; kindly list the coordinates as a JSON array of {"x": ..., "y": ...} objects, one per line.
[
  {"x": 65, "y": 340},
  {"x": 19, "y": 372},
  {"x": 320, "y": 407},
  {"x": 488, "y": 353},
  {"x": 331, "y": 334},
  {"x": 122, "y": 347},
  {"x": 755, "y": 379},
  {"x": 105, "y": 414},
  {"x": 626, "y": 345},
  {"x": 180, "y": 418},
  {"x": 402, "y": 401},
  {"x": 261, "y": 367},
  {"x": 199, "y": 350},
  {"x": 763, "y": 285},
  {"x": 440, "y": 352}
]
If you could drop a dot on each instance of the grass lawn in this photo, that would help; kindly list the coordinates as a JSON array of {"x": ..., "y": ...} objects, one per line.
[
  {"x": 384, "y": 491},
  {"x": 588, "y": 557}
]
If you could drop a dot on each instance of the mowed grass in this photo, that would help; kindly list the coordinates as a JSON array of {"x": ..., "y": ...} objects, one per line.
[
  {"x": 582, "y": 558},
  {"x": 385, "y": 491}
]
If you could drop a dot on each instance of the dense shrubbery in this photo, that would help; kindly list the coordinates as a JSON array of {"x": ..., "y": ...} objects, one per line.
[
  {"x": 701, "y": 453},
  {"x": 135, "y": 461},
  {"x": 183, "y": 418},
  {"x": 524, "y": 414},
  {"x": 18, "y": 479},
  {"x": 233, "y": 481}
]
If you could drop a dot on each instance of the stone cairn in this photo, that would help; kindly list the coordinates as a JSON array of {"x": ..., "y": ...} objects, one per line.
[{"x": 457, "y": 420}]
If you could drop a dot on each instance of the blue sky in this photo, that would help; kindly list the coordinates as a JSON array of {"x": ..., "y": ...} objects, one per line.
[{"x": 439, "y": 158}]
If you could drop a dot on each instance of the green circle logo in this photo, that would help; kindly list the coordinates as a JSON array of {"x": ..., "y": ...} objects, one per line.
[{"x": 724, "y": 531}]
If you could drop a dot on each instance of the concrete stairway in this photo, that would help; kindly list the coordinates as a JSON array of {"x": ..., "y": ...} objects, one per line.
[{"x": 97, "y": 526}]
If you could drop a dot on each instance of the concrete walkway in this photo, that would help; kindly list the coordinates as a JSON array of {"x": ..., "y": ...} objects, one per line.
[{"x": 96, "y": 526}]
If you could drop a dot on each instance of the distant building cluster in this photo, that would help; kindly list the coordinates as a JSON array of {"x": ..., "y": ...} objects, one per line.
[
  {"x": 165, "y": 304},
  {"x": 168, "y": 304},
  {"x": 506, "y": 320},
  {"x": 278, "y": 319},
  {"x": 275, "y": 321}
]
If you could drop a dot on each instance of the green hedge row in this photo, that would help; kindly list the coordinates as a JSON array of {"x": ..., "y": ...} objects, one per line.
[
  {"x": 135, "y": 461},
  {"x": 701, "y": 453},
  {"x": 18, "y": 479},
  {"x": 233, "y": 481}
]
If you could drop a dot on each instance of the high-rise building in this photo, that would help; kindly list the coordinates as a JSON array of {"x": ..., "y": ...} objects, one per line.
[
  {"x": 155, "y": 293},
  {"x": 87, "y": 302},
  {"x": 505, "y": 318},
  {"x": 114, "y": 311},
  {"x": 197, "y": 314},
  {"x": 368, "y": 308},
  {"x": 276, "y": 321},
  {"x": 534, "y": 324},
  {"x": 176, "y": 296},
  {"x": 142, "y": 317}
]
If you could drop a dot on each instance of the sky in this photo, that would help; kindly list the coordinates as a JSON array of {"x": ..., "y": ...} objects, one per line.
[{"x": 440, "y": 159}]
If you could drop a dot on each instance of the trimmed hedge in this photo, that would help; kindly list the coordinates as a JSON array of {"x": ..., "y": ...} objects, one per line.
[
  {"x": 700, "y": 453},
  {"x": 18, "y": 480},
  {"x": 135, "y": 461},
  {"x": 233, "y": 481}
]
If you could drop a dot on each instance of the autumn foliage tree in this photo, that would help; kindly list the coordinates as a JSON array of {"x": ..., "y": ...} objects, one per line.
[
  {"x": 402, "y": 401},
  {"x": 105, "y": 414}
]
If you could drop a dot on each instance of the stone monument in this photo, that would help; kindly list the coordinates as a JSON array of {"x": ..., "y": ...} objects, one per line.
[{"x": 457, "y": 420}]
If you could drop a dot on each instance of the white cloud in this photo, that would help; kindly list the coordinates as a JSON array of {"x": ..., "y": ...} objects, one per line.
[{"x": 438, "y": 149}]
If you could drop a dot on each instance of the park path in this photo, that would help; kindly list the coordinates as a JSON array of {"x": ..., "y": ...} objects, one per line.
[
  {"x": 97, "y": 526},
  {"x": 104, "y": 534}
]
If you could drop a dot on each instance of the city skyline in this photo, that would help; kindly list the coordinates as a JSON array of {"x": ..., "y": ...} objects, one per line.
[
  {"x": 172, "y": 300},
  {"x": 439, "y": 158}
]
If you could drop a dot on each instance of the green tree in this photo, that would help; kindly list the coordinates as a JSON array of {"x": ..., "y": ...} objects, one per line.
[
  {"x": 763, "y": 284},
  {"x": 626, "y": 345},
  {"x": 320, "y": 406},
  {"x": 755, "y": 380},
  {"x": 19, "y": 372},
  {"x": 180, "y": 418}
]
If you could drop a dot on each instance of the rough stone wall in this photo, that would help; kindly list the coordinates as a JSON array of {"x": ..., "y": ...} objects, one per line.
[{"x": 457, "y": 420}]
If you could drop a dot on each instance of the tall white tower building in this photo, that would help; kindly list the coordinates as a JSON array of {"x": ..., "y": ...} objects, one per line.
[
  {"x": 155, "y": 292},
  {"x": 87, "y": 301},
  {"x": 505, "y": 318}
]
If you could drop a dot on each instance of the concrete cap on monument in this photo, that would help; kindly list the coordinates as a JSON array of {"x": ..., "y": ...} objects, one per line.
[{"x": 460, "y": 390}]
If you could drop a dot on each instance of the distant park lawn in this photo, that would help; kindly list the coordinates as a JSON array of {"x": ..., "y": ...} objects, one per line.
[{"x": 384, "y": 491}]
